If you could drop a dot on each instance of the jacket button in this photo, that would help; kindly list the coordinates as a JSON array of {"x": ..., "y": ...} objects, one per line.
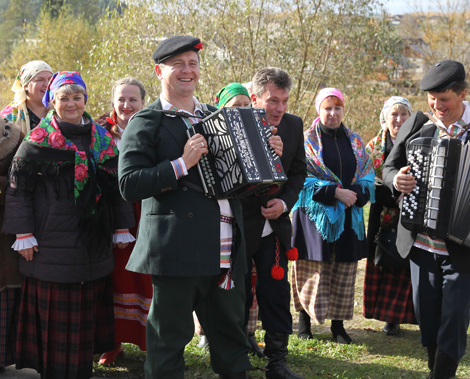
[
  {"x": 184, "y": 188},
  {"x": 190, "y": 215}
]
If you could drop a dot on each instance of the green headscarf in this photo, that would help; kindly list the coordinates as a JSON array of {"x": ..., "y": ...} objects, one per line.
[{"x": 229, "y": 92}]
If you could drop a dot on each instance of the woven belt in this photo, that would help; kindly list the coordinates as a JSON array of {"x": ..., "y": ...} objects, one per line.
[{"x": 228, "y": 220}]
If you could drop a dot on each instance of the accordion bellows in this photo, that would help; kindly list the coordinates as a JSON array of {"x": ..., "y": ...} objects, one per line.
[
  {"x": 440, "y": 203},
  {"x": 240, "y": 160}
]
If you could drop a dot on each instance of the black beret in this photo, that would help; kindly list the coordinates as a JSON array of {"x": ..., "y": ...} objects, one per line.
[
  {"x": 175, "y": 45},
  {"x": 442, "y": 75}
]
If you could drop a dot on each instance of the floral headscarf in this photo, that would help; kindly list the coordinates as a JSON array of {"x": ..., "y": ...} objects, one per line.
[
  {"x": 388, "y": 104},
  {"x": 59, "y": 79},
  {"x": 229, "y": 92},
  {"x": 376, "y": 147},
  {"x": 26, "y": 73}
]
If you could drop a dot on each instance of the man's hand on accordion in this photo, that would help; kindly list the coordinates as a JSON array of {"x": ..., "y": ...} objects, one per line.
[
  {"x": 404, "y": 182},
  {"x": 194, "y": 148},
  {"x": 276, "y": 143}
]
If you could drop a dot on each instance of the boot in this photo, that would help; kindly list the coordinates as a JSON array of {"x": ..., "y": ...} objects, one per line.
[
  {"x": 276, "y": 352},
  {"x": 339, "y": 334},
  {"x": 235, "y": 375},
  {"x": 444, "y": 366},
  {"x": 255, "y": 348},
  {"x": 391, "y": 329},
  {"x": 431, "y": 358},
  {"x": 305, "y": 332}
]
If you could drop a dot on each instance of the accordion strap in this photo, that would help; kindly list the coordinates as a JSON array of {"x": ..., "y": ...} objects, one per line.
[
  {"x": 443, "y": 131},
  {"x": 205, "y": 110}
]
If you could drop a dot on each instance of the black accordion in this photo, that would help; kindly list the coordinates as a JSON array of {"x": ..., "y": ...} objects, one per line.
[
  {"x": 439, "y": 205},
  {"x": 240, "y": 160}
]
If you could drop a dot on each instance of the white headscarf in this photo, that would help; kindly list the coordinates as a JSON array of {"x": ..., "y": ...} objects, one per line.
[{"x": 25, "y": 75}]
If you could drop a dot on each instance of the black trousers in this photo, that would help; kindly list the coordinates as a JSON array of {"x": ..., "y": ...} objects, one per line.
[
  {"x": 441, "y": 298},
  {"x": 273, "y": 295}
]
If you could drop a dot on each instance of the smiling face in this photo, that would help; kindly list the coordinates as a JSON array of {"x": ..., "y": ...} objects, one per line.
[
  {"x": 447, "y": 106},
  {"x": 331, "y": 112},
  {"x": 36, "y": 88},
  {"x": 127, "y": 101},
  {"x": 274, "y": 100},
  {"x": 179, "y": 75},
  {"x": 69, "y": 107},
  {"x": 396, "y": 116}
]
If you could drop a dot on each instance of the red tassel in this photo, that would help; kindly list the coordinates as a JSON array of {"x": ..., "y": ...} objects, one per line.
[
  {"x": 292, "y": 254},
  {"x": 277, "y": 272}
]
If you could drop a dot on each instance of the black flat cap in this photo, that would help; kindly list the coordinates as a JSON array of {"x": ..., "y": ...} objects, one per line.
[
  {"x": 175, "y": 45},
  {"x": 442, "y": 75}
]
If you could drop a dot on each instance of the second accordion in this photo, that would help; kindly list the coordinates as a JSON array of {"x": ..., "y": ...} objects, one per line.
[
  {"x": 439, "y": 205},
  {"x": 240, "y": 160}
]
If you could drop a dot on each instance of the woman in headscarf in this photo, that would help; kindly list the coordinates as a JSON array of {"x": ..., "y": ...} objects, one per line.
[
  {"x": 132, "y": 291},
  {"x": 233, "y": 95},
  {"x": 387, "y": 290},
  {"x": 64, "y": 206},
  {"x": 29, "y": 87},
  {"x": 328, "y": 219}
]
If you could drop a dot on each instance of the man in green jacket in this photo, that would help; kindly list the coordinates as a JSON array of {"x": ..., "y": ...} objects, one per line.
[{"x": 192, "y": 245}]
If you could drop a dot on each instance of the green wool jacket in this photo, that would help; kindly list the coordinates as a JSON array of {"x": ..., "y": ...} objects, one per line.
[{"x": 179, "y": 230}]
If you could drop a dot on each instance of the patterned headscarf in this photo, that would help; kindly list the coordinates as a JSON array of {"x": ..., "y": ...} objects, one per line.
[
  {"x": 388, "y": 104},
  {"x": 376, "y": 147},
  {"x": 229, "y": 92},
  {"x": 26, "y": 73},
  {"x": 59, "y": 79}
]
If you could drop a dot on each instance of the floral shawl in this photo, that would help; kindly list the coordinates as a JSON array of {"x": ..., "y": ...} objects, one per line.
[
  {"x": 47, "y": 135},
  {"x": 376, "y": 150},
  {"x": 329, "y": 220}
]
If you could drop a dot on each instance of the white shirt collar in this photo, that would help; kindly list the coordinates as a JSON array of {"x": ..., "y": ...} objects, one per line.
[{"x": 166, "y": 105}]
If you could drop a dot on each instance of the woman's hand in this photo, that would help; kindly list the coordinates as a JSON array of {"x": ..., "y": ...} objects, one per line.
[
  {"x": 121, "y": 245},
  {"x": 347, "y": 197},
  {"x": 28, "y": 253}
]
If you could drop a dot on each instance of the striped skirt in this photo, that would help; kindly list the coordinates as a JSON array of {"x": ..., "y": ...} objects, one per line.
[
  {"x": 388, "y": 295},
  {"x": 325, "y": 290},
  {"x": 61, "y": 326},
  {"x": 9, "y": 310}
]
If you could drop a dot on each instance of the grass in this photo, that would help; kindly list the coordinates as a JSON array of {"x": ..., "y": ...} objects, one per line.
[{"x": 372, "y": 355}]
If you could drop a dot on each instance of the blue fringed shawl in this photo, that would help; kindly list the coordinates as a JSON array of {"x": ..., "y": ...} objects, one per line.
[{"x": 329, "y": 220}]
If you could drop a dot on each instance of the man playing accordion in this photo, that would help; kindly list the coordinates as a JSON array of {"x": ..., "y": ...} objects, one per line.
[{"x": 440, "y": 268}]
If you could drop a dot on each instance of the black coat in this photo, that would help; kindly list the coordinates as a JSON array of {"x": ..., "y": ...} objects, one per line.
[
  {"x": 290, "y": 129},
  {"x": 72, "y": 248},
  {"x": 339, "y": 157}
]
